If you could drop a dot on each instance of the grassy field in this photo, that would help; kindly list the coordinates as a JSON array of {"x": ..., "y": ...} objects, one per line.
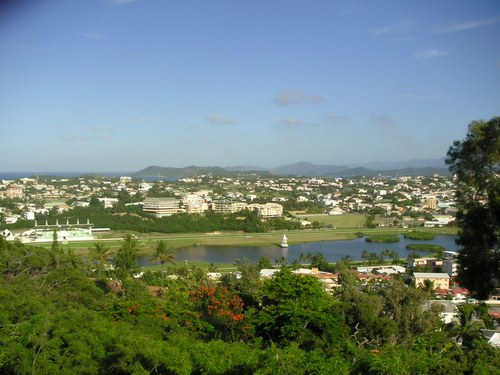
[
  {"x": 347, "y": 221},
  {"x": 148, "y": 241}
]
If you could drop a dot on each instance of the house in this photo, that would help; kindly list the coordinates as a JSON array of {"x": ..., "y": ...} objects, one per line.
[
  {"x": 493, "y": 337},
  {"x": 8, "y": 235},
  {"x": 11, "y": 219},
  {"x": 336, "y": 211},
  {"x": 388, "y": 270},
  {"x": 415, "y": 262},
  {"x": 448, "y": 311},
  {"x": 108, "y": 202},
  {"x": 329, "y": 280},
  {"x": 267, "y": 273}
]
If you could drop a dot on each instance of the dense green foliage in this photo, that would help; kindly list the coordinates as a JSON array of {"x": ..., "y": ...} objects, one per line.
[
  {"x": 414, "y": 235},
  {"x": 382, "y": 239},
  {"x": 133, "y": 219},
  {"x": 55, "y": 318},
  {"x": 476, "y": 163},
  {"x": 425, "y": 247}
]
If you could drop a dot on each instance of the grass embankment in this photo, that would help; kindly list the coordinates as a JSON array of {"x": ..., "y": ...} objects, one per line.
[
  {"x": 348, "y": 227},
  {"x": 383, "y": 239},
  {"x": 425, "y": 247},
  {"x": 347, "y": 221},
  {"x": 415, "y": 235}
]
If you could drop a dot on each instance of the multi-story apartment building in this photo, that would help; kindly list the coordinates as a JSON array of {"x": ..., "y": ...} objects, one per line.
[
  {"x": 431, "y": 202},
  {"x": 450, "y": 266},
  {"x": 227, "y": 206},
  {"x": 161, "y": 206},
  {"x": 194, "y": 204},
  {"x": 268, "y": 210},
  {"x": 14, "y": 191}
]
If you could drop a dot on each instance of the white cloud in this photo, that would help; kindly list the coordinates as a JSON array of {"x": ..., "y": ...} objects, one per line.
[
  {"x": 467, "y": 25},
  {"x": 382, "y": 30},
  {"x": 384, "y": 121},
  {"x": 334, "y": 119},
  {"x": 292, "y": 121},
  {"x": 430, "y": 53},
  {"x": 217, "y": 119},
  {"x": 402, "y": 28},
  {"x": 288, "y": 97}
]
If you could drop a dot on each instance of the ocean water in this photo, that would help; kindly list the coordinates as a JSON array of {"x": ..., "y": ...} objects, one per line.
[{"x": 14, "y": 175}]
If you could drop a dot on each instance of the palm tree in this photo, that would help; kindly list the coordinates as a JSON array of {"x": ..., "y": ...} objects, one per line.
[
  {"x": 126, "y": 257},
  {"x": 394, "y": 255},
  {"x": 469, "y": 327},
  {"x": 427, "y": 287},
  {"x": 365, "y": 256},
  {"x": 385, "y": 253},
  {"x": 100, "y": 255},
  {"x": 163, "y": 254}
]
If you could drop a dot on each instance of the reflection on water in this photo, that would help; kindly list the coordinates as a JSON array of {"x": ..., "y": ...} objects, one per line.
[{"x": 332, "y": 250}]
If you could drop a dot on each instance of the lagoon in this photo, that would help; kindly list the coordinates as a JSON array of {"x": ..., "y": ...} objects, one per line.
[{"x": 332, "y": 250}]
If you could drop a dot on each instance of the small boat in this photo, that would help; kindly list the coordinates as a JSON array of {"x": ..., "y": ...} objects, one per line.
[{"x": 284, "y": 241}]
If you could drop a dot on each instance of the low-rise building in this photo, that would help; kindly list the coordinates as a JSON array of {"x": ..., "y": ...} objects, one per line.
[
  {"x": 108, "y": 202},
  {"x": 329, "y": 280},
  {"x": 440, "y": 280}
]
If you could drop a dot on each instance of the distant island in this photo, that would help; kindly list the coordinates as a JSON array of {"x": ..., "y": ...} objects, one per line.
[{"x": 303, "y": 169}]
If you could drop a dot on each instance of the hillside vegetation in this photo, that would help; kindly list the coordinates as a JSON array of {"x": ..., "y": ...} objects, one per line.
[{"x": 58, "y": 316}]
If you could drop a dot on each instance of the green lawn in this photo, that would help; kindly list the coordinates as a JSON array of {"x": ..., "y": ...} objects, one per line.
[
  {"x": 147, "y": 242},
  {"x": 347, "y": 221}
]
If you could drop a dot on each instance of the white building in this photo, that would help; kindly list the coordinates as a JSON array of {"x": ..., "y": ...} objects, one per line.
[
  {"x": 161, "y": 206},
  {"x": 194, "y": 203},
  {"x": 108, "y": 202},
  {"x": 226, "y": 206},
  {"x": 450, "y": 266},
  {"x": 268, "y": 210}
]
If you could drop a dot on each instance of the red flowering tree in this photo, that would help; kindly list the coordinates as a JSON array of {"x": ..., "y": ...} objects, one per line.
[{"x": 221, "y": 308}]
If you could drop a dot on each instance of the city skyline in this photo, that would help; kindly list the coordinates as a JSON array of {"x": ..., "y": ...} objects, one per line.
[{"x": 119, "y": 85}]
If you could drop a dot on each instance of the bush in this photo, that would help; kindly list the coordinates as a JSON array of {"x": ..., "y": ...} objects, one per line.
[
  {"x": 414, "y": 235},
  {"x": 383, "y": 239}
]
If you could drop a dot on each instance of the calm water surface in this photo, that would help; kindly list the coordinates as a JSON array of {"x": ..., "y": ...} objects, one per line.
[{"x": 332, "y": 250}]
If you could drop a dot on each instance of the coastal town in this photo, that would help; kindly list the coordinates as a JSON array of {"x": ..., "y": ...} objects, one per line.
[{"x": 398, "y": 201}]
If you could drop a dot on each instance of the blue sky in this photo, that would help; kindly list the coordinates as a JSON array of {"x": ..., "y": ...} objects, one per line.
[{"x": 118, "y": 85}]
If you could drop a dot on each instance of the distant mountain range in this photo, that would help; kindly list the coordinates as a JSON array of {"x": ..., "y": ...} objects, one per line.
[{"x": 372, "y": 169}]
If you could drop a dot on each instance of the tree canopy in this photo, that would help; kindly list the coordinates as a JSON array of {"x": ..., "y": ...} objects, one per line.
[
  {"x": 475, "y": 161},
  {"x": 55, "y": 318}
]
